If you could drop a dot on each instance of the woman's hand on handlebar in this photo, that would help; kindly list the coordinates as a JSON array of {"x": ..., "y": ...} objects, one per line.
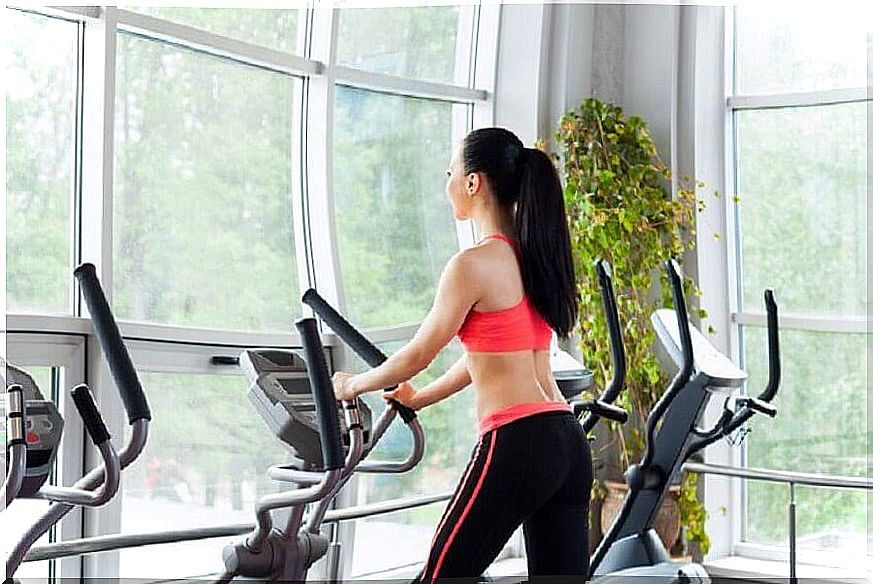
[
  {"x": 405, "y": 394},
  {"x": 344, "y": 386}
]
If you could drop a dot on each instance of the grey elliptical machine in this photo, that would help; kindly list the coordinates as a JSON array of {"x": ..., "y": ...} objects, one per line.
[
  {"x": 631, "y": 551},
  {"x": 35, "y": 428}
]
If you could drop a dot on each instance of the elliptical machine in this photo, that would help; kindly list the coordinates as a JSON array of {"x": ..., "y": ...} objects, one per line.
[
  {"x": 35, "y": 428},
  {"x": 631, "y": 548},
  {"x": 282, "y": 398},
  {"x": 304, "y": 418}
]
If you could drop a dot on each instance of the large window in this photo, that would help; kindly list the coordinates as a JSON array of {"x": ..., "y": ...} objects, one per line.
[
  {"x": 428, "y": 43},
  {"x": 206, "y": 462},
  {"x": 394, "y": 234},
  {"x": 41, "y": 105},
  {"x": 204, "y": 187},
  {"x": 395, "y": 229},
  {"x": 213, "y": 163},
  {"x": 800, "y": 122}
]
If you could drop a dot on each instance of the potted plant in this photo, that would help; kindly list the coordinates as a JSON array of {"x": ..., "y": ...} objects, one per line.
[{"x": 620, "y": 208}]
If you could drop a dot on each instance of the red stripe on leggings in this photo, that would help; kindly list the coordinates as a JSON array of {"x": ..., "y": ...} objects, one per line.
[
  {"x": 467, "y": 508},
  {"x": 455, "y": 500}
]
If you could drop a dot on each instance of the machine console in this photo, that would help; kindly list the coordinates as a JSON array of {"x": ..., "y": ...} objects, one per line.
[
  {"x": 723, "y": 374},
  {"x": 279, "y": 390}
]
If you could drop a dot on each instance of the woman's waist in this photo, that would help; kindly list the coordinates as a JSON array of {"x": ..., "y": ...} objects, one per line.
[{"x": 492, "y": 419}]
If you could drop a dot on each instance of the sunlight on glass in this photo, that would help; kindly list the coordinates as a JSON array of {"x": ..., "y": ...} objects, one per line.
[
  {"x": 273, "y": 28},
  {"x": 206, "y": 465},
  {"x": 824, "y": 374},
  {"x": 802, "y": 183},
  {"x": 40, "y": 67},
  {"x": 805, "y": 48},
  {"x": 395, "y": 228},
  {"x": 204, "y": 185},
  {"x": 431, "y": 43}
]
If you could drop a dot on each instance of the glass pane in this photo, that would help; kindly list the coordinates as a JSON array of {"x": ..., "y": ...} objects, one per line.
[
  {"x": 205, "y": 465},
  {"x": 807, "y": 48},
  {"x": 429, "y": 43},
  {"x": 803, "y": 204},
  {"x": 450, "y": 431},
  {"x": 21, "y": 513},
  {"x": 272, "y": 28},
  {"x": 40, "y": 56},
  {"x": 395, "y": 229},
  {"x": 821, "y": 428},
  {"x": 204, "y": 183}
]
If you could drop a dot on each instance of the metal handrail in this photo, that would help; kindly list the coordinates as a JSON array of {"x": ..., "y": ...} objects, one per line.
[
  {"x": 117, "y": 542},
  {"x": 777, "y": 476},
  {"x": 791, "y": 479},
  {"x": 105, "y": 543}
]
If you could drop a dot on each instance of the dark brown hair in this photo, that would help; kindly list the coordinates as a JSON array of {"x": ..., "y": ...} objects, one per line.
[{"x": 527, "y": 179}]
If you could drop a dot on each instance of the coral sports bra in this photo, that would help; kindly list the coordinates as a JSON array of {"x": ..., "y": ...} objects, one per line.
[{"x": 516, "y": 328}]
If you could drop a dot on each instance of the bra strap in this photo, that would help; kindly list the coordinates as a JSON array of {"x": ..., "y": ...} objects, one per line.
[{"x": 503, "y": 238}]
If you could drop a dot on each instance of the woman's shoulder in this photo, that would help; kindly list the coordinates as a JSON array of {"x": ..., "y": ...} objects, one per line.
[
  {"x": 474, "y": 260},
  {"x": 469, "y": 265}
]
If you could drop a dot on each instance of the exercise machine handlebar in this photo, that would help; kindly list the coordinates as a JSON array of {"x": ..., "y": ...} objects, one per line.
[
  {"x": 330, "y": 434},
  {"x": 674, "y": 275},
  {"x": 730, "y": 420},
  {"x": 366, "y": 350},
  {"x": 109, "y": 337},
  {"x": 16, "y": 415},
  {"x": 603, "y": 408}
]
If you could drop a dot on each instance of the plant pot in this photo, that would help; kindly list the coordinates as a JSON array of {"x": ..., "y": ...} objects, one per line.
[{"x": 667, "y": 522}]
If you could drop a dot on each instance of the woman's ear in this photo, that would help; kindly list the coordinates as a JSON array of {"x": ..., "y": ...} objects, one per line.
[{"x": 473, "y": 184}]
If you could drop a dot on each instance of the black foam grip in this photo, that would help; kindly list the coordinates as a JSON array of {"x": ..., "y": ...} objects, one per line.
[
  {"x": 114, "y": 351},
  {"x": 322, "y": 391},
  {"x": 675, "y": 277},
  {"x": 602, "y": 409},
  {"x": 775, "y": 360},
  {"x": 366, "y": 350},
  {"x": 616, "y": 343},
  {"x": 678, "y": 382},
  {"x": 90, "y": 414}
]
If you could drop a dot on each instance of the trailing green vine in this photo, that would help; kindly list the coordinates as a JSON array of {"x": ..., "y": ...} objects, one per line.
[
  {"x": 620, "y": 208},
  {"x": 693, "y": 514}
]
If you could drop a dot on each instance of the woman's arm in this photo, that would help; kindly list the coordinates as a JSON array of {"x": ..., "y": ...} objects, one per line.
[
  {"x": 450, "y": 382},
  {"x": 455, "y": 295}
]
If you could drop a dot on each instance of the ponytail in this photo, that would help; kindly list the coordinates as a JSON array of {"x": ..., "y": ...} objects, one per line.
[
  {"x": 544, "y": 243},
  {"x": 527, "y": 179}
]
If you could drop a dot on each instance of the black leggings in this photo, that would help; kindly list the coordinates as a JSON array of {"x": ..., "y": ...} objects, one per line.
[{"x": 536, "y": 472}]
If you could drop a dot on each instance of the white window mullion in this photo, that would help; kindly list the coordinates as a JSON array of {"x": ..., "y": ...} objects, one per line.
[
  {"x": 846, "y": 325},
  {"x": 319, "y": 164},
  {"x": 485, "y": 62},
  {"x": 484, "y": 77},
  {"x": 98, "y": 123},
  {"x": 321, "y": 242},
  {"x": 405, "y": 86},
  {"x": 731, "y": 241},
  {"x": 216, "y": 44},
  {"x": 798, "y": 99}
]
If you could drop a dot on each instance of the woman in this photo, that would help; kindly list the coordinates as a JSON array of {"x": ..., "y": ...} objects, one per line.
[{"x": 503, "y": 297}]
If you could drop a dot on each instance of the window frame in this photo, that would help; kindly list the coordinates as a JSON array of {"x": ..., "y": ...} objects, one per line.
[
  {"x": 740, "y": 316},
  {"x": 312, "y": 208},
  {"x": 67, "y": 351}
]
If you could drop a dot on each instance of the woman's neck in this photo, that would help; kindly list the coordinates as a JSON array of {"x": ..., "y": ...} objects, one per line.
[{"x": 492, "y": 223}]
